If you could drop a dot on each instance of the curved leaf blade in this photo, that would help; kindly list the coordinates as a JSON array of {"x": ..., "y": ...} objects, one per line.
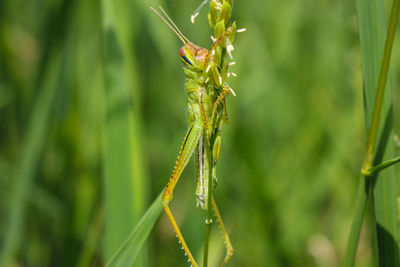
[{"x": 126, "y": 255}]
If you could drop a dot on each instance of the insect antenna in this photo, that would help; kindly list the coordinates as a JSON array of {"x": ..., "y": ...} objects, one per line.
[
  {"x": 176, "y": 27},
  {"x": 175, "y": 30}
]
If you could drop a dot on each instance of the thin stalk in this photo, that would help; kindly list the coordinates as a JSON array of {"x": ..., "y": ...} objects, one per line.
[
  {"x": 373, "y": 131},
  {"x": 209, "y": 214}
]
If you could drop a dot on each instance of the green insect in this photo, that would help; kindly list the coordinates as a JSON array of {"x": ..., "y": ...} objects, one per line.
[{"x": 206, "y": 72}]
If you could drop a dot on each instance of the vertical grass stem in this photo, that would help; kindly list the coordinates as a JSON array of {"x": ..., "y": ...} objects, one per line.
[{"x": 373, "y": 131}]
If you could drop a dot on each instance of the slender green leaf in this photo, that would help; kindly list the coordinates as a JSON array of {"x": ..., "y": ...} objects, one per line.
[
  {"x": 384, "y": 165},
  {"x": 92, "y": 239},
  {"x": 126, "y": 255},
  {"x": 124, "y": 192},
  {"x": 47, "y": 83},
  {"x": 372, "y": 32},
  {"x": 30, "y": 155}
]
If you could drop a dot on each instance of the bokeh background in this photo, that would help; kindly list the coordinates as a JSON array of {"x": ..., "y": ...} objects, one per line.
[{"x": 291, "y": 153}]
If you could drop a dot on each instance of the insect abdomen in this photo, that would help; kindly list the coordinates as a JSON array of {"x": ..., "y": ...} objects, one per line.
[{"x": 202, "y": 174}]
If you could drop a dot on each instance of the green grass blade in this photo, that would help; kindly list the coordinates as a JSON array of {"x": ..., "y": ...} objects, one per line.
[
  {"x": 47, "y": 82},
  {"x": 92, "y": 239},
  {"x": 372, "y": 39},
  {"x": 126, "y": 255},
  {"x": 30, "y": 156},
  {"x": 124, "y": 192}
]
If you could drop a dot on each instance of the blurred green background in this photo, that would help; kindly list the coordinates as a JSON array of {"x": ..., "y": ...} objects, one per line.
[{"x": 93, "y": 113}]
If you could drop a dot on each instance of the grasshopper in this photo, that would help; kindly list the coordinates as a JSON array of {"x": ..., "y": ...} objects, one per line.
[{"x": 206, "y": 72}]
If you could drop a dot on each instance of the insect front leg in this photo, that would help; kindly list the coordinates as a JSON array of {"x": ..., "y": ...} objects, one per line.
[
  {"x": 217, "y": 42},
  {"x": 221, "y": 98},
  {"x": 189, "y": 144},
  {"x": 229, "y": 248},
  {"x": 226, "y": 119},
  {"x": 206, "y": 123}
]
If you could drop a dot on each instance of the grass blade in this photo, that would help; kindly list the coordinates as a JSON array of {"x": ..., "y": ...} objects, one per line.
[
  {"x": 30, "y": 155},
  {"x": 126, "y": 255},
  {"x": 47, "y": 83},
  {"x": 124, "y": 192},
  {"x": 372, "y": 38}
]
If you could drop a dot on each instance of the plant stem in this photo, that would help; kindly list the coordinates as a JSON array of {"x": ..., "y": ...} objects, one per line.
[
  {"x": 209, "y": 215},
  {"x": 373, "y": 131}
]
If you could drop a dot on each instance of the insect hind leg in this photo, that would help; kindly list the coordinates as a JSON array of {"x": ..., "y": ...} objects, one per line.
[
  {"x": 179, "y": 234},
  {"x": 189, "y": 143},
  {"x": 229, "y": 248}
]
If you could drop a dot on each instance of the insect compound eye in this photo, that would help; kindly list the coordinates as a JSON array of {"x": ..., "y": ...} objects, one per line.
[{"x": 183, "y": 55}]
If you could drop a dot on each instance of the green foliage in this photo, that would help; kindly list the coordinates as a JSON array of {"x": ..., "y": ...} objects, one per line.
[
  {"x": 379, "y": 188},
  {"x": 290, "y": 155},
  {"x": 122, "y": 161}
]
